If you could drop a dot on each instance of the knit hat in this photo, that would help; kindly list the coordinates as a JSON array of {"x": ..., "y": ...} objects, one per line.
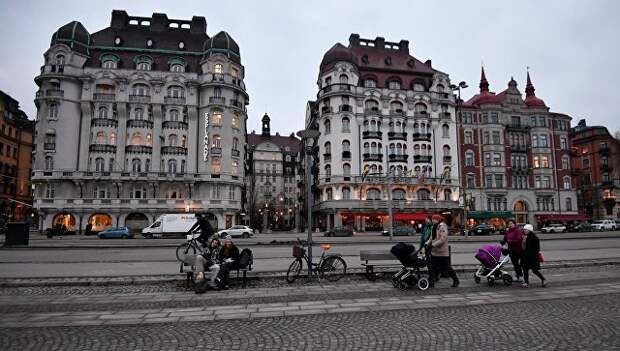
[{"x": 528, "y": 227}]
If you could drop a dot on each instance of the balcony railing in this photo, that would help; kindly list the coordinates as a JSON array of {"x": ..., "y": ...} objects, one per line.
[
  {"x": 56, "y": 93},
  {"x": 345, "y": 108},
  {"x": 368, "y": 157},
  {"x": 346, "y": 155},
  {"x": 397, "y": 136},
  {"x": 104, "y": 97},
  {"x": 138, "y": 149},
  {"x": 49, "y": 146},
  {"x": 398, "y": 158},
  {"x": 236, "y": 103},
  {"x": 421, "y": 136},
  {"x": 422, "y": 159},
  {"x": 173, "y": 150},
  {"x": 218, "y": 100},
  {"x": 518, "y": 148},
  {"x": 105, "y": 148},
  {"x": 142, "y": 99},
  {"x": 174, "y": 100},
  {"x": 445, "y": 115},
  {"x": 139, "y": 123},
  {"x": 174, "y": 125},
  {"x": 372, "y": 134},
  {"x": 514, "y": 127},
  {"x": 447, "y": 160},
  {"x": 216, "y": 151},
  {"x": 607, "y": 184},
  {"x": 337, "y": 87},
  {"x": 104, "y": 122},
  {"x": 422, "y": 114},
  {"x": 441, "y": 96},
  {"x": 326, "y": 109},
  {"x": 236, "y": 153},
  {"x": 397, "y": 112},
  {"x": 372, "y": 111},
  {"x": 327, "y": 156}
]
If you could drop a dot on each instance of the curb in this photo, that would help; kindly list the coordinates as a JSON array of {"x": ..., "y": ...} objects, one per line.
[{"x": 179, "y": 278}]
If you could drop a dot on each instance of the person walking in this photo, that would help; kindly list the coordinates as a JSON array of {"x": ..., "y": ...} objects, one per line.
[
  {"x": 427, "y": 231},
  {"x": 440, "y": 254},
  {"x": 514, "y": 239},
  {"x": 530, "y": 256}
]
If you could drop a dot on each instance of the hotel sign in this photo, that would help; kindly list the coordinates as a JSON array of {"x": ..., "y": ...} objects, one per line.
[{"x": 206, "y": 138}]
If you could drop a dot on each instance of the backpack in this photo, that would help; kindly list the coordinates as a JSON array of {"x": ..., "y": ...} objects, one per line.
[
  {"x": 246, "y": 258},
  {"x": 201, "y": 286}
]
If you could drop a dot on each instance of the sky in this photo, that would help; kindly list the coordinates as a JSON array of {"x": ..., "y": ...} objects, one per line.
[{"x": 572, "y": 47}]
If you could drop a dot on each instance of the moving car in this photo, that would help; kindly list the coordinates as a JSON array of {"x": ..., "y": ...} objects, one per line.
[
  {"x": 400, "y": 231},
  {"x": 554, "y": 228},
  {"x": 605, "y": 224},
  {"x": 236, "y": 231},
  {"x": 340, "y": 231},
  {"x": 115, "y": 232},
  {"x": 482, "y": 229},
  {"x": 581, "y": 227},
  {"x": 174, "y": 224}
]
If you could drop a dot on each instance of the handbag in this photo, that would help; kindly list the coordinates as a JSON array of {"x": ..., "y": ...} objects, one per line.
[{"x": 541, "y": 258}]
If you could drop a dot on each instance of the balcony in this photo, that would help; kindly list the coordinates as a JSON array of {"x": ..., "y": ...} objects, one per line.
[
  {"x": 49, "y": 146},
  {"x": 398, "y": 158},
  {"x": 422, "y": 114},
  {"x": 514, "y": 127},
  {"x": 173, "y": 150},
  {"x": 326, "y": 109},
  {"x": 440, "y": 96},
  {"x": 445, "y": 115},
  {"x": 518, "y": 148},
  {"x": 335, "y": 88},
  {"x": 51, "y": 93},
  {"x": 141, "y": 99},
  {"x": 398, "y": 112},
  {"x": 397, "y": 136},
  {"x": 236, "y": 153},
  {"x": 346, "y": 155},
  {"x": 138, "y": 149},
  {"x": 422, "y": 159},
  {"x": 372, "y": 157},
  {"x": 345, "y": 108},
  {"x": 372, "y": 111},
  {"x": 216, "y": 151},
  {"x": 238, "y": 104},
  {"x": 447, "y": 160},
  {"x": 103, "y": 97},
  {"x": 421, "y": 136},
  {"x": 174, "y": 100},
  {"x": 372, "y": 135},
  {"x": 327, "y": 157},
  {"x": 104, "y": 148},
  {"x": 174, "y": 125},
  {"x": 139, "y": 123},
  {"x": 104, "y": 122},
  {"x": 217, "y": 100}
]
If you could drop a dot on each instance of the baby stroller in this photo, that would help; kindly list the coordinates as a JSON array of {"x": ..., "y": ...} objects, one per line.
[
  {"x": 410, "y": 274},
  {"x": 492, "y": 262}
]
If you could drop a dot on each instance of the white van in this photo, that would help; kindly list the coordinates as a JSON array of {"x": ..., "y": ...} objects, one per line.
[{"x": 173, "y": 224}]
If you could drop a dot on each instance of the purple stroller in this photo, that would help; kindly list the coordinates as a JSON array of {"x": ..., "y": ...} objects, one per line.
[{"x": 492, "y": 262}]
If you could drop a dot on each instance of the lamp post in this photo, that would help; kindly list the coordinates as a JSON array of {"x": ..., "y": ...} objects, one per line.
[
  {"x": 308, "y": 136},
  {"x": 457, "y": 88}
]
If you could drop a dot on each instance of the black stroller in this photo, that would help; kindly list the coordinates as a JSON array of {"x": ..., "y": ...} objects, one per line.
[{"x": 410, "y": 275}]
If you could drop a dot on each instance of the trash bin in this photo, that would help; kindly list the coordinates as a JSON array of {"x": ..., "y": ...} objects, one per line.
[{"x": 17, "y": 233}]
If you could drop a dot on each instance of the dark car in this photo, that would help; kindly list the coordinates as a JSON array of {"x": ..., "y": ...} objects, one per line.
[
  {"x": 340, "y": 231},
  {"x": 400, "y": 231},
  {"x": 482, "y": 229},
  {"x": 580, "y": 227}
]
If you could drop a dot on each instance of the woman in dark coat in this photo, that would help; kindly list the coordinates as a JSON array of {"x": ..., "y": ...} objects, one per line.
[{"x": 530, "y": 256}]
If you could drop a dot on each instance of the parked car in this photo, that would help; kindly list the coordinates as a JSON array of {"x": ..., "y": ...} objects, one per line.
[
  {"x": 115, "y": 232},
  {"x": 554, "y": 228},
  {"x": 340, "y": 231},
  {"x": 482, "y": 229},
  {"x": 236, "y": 231},
  {"x": 605, "y": 224},
  {"x": 400, "y": 231},
  {"x": 580, "y": 227}
]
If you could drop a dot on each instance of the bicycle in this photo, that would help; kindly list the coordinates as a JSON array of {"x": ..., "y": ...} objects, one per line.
[
  {"x": 186, "y": 252},
  {"x": 331, "y": 267}
]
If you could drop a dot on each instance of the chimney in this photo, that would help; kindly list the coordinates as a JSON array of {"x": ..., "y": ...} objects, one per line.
[
  {"x": 159, "y": 22},
  {"x": 403, "y": 46},
  {"x": 354, "y": 40},
  {"x": 429, "y": 63},
  {"x": 380, "y": 43},
  {"x": 199, "y": 25},
  {"x": 119, "y": 19},
  {"x": 277, "y": 133}
]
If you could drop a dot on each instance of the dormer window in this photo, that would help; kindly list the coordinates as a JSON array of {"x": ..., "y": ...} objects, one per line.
[
  {"x": 109, "y": 61},
  {"x": 177, "y": 65},
  {"x": 60, "y": 60},
  {"x": 177, "y": 68},
  {"x": 394, "y": 84},
  {"x": 370, "y": 83},
  {"x": 143, "y": 63}
]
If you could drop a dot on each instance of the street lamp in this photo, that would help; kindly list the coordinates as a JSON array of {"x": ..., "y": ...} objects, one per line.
[
  {"x": 308, "y": 136},
  {"x": 458, "y": 88}
]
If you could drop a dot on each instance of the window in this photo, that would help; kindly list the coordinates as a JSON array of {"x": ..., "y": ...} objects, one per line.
[
  {"x": 346, "y": 125},
  {"x": 346, "y": 170},
  {"x": 497, "y": 159},
  {"x": 346, "y": 193},
  {"x": 174, "y": 115},
  {"x": 328, "y": 171},
  {"x": 140, "y": 90},
  {"x": 216, "y": 192},
  {"x": 232, "y": 192},
  {"x": 565, "y": 162},
  {"x": 544, "y": 161},
  {"x": 487, "y": 138},
  {"x": 53, "y": 111},
  {"x": 108, "y": 62},
  {"x": 370, "y": 83},
  {"x": 235, "y": 121},
  {"x": 543, "y": 142},
  {"x": 471, "y": 181},
  {"x": 175, "y": 91},
  {"x": 373, "y": 194},
  {"x": 49, "y": 163},
  {"x": 542, "y": 122},
  {"x": 346, "y": 146},
  {"x": 235, "y": 167},
  {"x": 172, "y": 166},
  {"x": 487, "y": 159},
  {"x": 50, "y": 140},
  {"x": 329, "y": 194},
  {"x": 546, "y": 182},
  {"x": 217, "y": 142},
  {"x": 328, "y": 147},
  {"x": 469, "y": 158},
  {"x": 149, "y": 140},
  {"x": 60, "y": 60},
  {"x": 469, "y": 137},
  {"x": 328, "y": 127},
  {"x": 111, "y": 165},
  {"x": 138, "y": 113},
  {"x": 569, "y": 204},
  {"x": 499, "y": 181},
  {"x": 394, "y": 84},
  {"x": 494, "y": 117},
  {"x": 496, "y": 138},
  {"x": 49, "y": 190},
  {"x": 399, "y": 194},
  {"x": 235, "y": 145},
  {"x": 585, "y": 162},
  {"x": 103, "y": 112},
  {"x": 446, "y": 151},
  {"x": 216, "y": 166},
  {"x": 445, "y": 129},
  {"x": 136, "y": 138},
  {"x": 515, "y": 121},
  {"x": 567, "y": 183},
  {"x": 136, "y": 165},
  {"x": 173, "y": 140},
  {"x": 563, "y": 143},
  {"x": 101, "y": 138},
  {"x": 468, "y": 117},
  {"x": 216, "y": 118},
  {"x": 423, "y": 194},
  {"x": 217, "y": 69}
]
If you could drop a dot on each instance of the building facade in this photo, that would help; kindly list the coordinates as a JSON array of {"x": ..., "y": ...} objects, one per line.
[
  {"x": 596, "y": 162},
  {"x": 515, "y": 157},
  {"x": 381, "y": 111},
  {"x": 271, "y": 180},
  {"x": 16, "y": 143},
  {"x": 145, "y": 117}
]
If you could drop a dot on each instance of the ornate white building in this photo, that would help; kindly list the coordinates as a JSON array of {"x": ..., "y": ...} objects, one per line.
[
  {"x": 145, "y": 117},
  {"x": 380, "y": 109}
]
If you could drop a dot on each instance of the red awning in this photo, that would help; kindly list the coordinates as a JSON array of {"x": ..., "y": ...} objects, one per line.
[
  {"x": 418, "y": 216},
  {"x": 563, "y": 218}
]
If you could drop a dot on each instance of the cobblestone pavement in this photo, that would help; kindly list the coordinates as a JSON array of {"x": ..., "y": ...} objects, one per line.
[{"x": 578, "y": 311}]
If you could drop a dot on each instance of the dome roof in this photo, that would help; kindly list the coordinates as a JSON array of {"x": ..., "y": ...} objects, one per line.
[
  {"x": 337, "y": 53},
  {"x": 533, "y": 101},
  {"x": 74, "y": 35},
  {"x": 222, "y": 43}
]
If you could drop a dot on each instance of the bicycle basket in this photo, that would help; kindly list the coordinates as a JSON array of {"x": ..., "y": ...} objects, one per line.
[{"x": 298, "y": 251}]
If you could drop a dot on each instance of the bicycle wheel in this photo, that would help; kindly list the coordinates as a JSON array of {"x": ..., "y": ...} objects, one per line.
[
  {"x": 293, "y": 270},
  {"x": 186, "y": 253},
  {"x": 333, "y": 268}
]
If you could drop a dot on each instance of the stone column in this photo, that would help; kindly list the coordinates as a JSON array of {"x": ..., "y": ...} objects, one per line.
[
  {"x": 157, "y": 135},
  {"x": 84, "y": 136},
  {"x": 121, "y": 136},
  {"x": 192, "y": 139}
]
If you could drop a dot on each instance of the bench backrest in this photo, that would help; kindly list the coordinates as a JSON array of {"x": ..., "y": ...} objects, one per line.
[{"x": 376, "y": 255}]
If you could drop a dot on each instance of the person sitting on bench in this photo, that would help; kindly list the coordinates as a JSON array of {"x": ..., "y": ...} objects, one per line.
[
  {"x": 208, "y": 261},
  {"x": 229, "y": 259}
]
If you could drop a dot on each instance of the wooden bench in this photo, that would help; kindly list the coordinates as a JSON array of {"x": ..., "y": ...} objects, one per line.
[
  {"x": 189, "y": 268},
  {"x": 372, "y": 259}
]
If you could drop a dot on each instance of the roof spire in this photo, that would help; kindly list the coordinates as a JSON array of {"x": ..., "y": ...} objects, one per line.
[
  {"x": 529, "y": 87},
  {"x": 484, "y": 84}
]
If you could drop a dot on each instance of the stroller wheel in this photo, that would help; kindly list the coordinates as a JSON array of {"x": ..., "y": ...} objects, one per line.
[
  {"x": 423, "y": 284},
  {"x": 491, "y": 281},
  {"x": 395, "y": 282},
  {"x": 507, "y": 278},
  {"x": 403, "y": 286},
  {"x": 477, "y": 279}
]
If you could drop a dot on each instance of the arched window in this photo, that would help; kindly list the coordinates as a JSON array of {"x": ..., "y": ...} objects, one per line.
[
  {"x": 446, "y": 151},
  {"x": 365, "y": 126},
  {"x": 423, "y": 194},
  {"x": 373, "y": 148},
  {"x": 447, "y": 195},
  {"x": 53, "y": 111},
  {"x": 235, "y": 121},
  {"x": 329, "y": 194},
  {"x": 136, "y": 138},
  {"x": 373, "y": 194},
  {"x": 469, "y": 158},
  {"x": 60, "y": 59},
  {"x": 445, "y": 131},
  {"x": 175, "y": 91},
  {"x": 101, "y": 138},
  {"x": 440, "y": 88},
  {"x": 184, "y": 141},
  {"x": 143, "y": 63},
  {"x": 328, "y": 147},
  {"x": 373, "y": 169},
  {"x": 346, "y": 193},
  {"x": 565, "y": 162},
  {"x": 173, "y": 140},
  {"x": 370, "y": 83},
  {"x": 140, "y": 90},
  {"x": 396, "y": 106},
  {"x": 99, "y": 164},
  {"x": 328, "y": 126},
  {"x": 399, "y": 149},
  {"x": 346, "y": 125},
  {"x": 394, "y": 84},
  {"x": 149, "y": 140},
  {"x": 328, "y": 171},
  {"x": 366, "y": 148},
  {"x": 371, "y": 104},
  {"x": 103, "y": 112},
  {"x": 174, "y": 115},
  {"x": 172, "y": 166},
  {"x": 217, "y": 141},
  {"x": 346, "y": 170},
  {"x": 109, "y": 61},
  {"x": 346, "y": 146},
  {"x": 567, "y": 183},
  {"x": 416, "y": 149},
  {"x": 235, "y": 144},
  {"x": 147, "y": 165},
  {"x": 399, "y": 194},
  {"x": 138, "y": 113},
  {"x": 136, "y": 165},
  {"x": 344, "y": 79},
  {"x": 420, "y": 108},
  {"x": 49, "y": 163}
]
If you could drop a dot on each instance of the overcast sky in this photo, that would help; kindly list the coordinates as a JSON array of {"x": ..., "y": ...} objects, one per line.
[{"x": 572, "y": 47}]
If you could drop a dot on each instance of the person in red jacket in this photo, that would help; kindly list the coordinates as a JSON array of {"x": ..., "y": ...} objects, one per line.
[{"x": 514, "y": 237}]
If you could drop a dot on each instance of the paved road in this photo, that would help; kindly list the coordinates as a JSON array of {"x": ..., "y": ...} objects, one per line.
[
  {"x": 578, "y": 311},
  {"x": 62, "y": 262}
]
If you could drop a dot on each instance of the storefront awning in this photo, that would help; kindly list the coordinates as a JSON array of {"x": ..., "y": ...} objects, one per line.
[
  {"x": 490, "y": 214},
  {"x": 417, "y": 216},
  {"x": 563, "y": 218}
]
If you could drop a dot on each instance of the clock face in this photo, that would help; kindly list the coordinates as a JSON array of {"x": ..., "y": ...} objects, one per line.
[
  {"x": 117, "y": 41},
  {"x": 149, "y": 43},
  {"x": 181, "y": 45}
]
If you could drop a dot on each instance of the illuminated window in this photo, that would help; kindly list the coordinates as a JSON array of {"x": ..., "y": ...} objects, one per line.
[
  {"x": 217, "y": 68},
  {"x": 216, "y": 118},
  {"x": 216, "y": 166}
]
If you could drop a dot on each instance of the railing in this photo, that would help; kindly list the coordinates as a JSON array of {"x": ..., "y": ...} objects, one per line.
[
  {"x": 518, "y": 148},
  {"x": 143, "y": 99},
  {"x": 372, "y": 111},
  {"x": 174, "y": 125},
  {"x": 105, "y": 148},
  {"x": 372, "y": 134},
  {"x": 224, "y": 78},
  {"x": 238, "y": 104},
  {"x": 607, "y": 184},
  {"x": 327, "y": 157},
  {"x": 139, "y": 123},
  {"x": 219, "y": 100},
  {"x": 346, "y": 155},
  {"x": 174, "y": 100},
  {"x": 441, "y": 96},
  {"x": 345, "y": 108},
  {"x": 421, "y": 115},
  {"x": 104, "y": 97},
  {"x": 445, "y": 115},
  {"x": 398, "y": 158},
  {"x": 382, "y": 204},
  {"x": 138, "y": 149},
  {"x": 236, "y": 153},
  {"x": 606, "y": 168},
  {"x": 57, "y": 93},
  {"x": 104, "y": 122},
  {"x": 421, "y": 136},
  {"x": 447, "y": 160},
  {"x": 514, "y": 127},
  {"x": 397, "y": 112},
  {"x": 422, "y": 159},
  {"x": 216, "y": 151},
  {"x": 326, "y": 109},
  {"x": 397, "y": 136},
  {"x": 173, "y": 150},
  {"x": 368, "y": 157},
  {"x": 49, "y": 146},
  {"x": 336, "y": 87}
]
